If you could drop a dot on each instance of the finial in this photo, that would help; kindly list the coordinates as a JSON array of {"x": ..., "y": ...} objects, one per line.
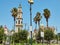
[{"x": 20, "y": 6}]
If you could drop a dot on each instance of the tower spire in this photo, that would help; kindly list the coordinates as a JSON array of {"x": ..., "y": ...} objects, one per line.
[{"x": 20, "y": 6}]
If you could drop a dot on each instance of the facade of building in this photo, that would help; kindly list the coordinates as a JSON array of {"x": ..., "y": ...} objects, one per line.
[{"x": 19, "y": 19}]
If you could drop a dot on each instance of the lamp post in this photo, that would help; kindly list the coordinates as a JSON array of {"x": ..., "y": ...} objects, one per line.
[{"x": 30, "y": 2}]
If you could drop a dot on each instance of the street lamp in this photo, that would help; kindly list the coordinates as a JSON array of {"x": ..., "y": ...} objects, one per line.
[{"x": 30, "y": 2}]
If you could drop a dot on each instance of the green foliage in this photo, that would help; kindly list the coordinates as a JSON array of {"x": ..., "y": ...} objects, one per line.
[
  {"x": 58, "y": 36},
  {"x": 46, "y": 13},
  {"x": 14, "y": 12},
  {"x": 38, "y": 17},
  {"x": 15, "y": 37},
  {"x": 55, "y": 36},
  {"x": 48, "y": 35},
  {"x": 21, "y": 36},
  {"x": 1, "y": 33}
]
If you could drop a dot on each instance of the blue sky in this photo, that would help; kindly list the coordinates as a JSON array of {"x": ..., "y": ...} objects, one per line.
[{"x": 38, "y": 6}]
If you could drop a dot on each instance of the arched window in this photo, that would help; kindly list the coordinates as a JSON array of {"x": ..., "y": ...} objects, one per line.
[
  {"x": 21, "y": 22},
  {"x": 18, "y": 21}
]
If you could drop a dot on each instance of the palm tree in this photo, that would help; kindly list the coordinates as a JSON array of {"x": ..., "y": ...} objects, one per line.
[
  {"x": 14, "y": 14},
  {"x": 46, "y": 15},
  {"x": 38, "y": 18}
]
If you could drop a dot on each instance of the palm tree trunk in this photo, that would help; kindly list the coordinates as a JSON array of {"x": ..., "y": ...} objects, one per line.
[
  {"x": 47, "y": 22},
  {"x": 39, "y": 24},
  {"x": 36, "y": 26},
  {"x": 39, "y": 27},
  {"x": 14, "y": 23}
]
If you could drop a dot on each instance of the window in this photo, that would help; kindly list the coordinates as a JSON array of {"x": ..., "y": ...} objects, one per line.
[
  {"x": 18, "y": 21},
  {"x": 21, "y": 22}
]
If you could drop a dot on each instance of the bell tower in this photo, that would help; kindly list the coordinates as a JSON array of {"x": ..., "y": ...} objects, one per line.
[{"x": 19, "y": 19}]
